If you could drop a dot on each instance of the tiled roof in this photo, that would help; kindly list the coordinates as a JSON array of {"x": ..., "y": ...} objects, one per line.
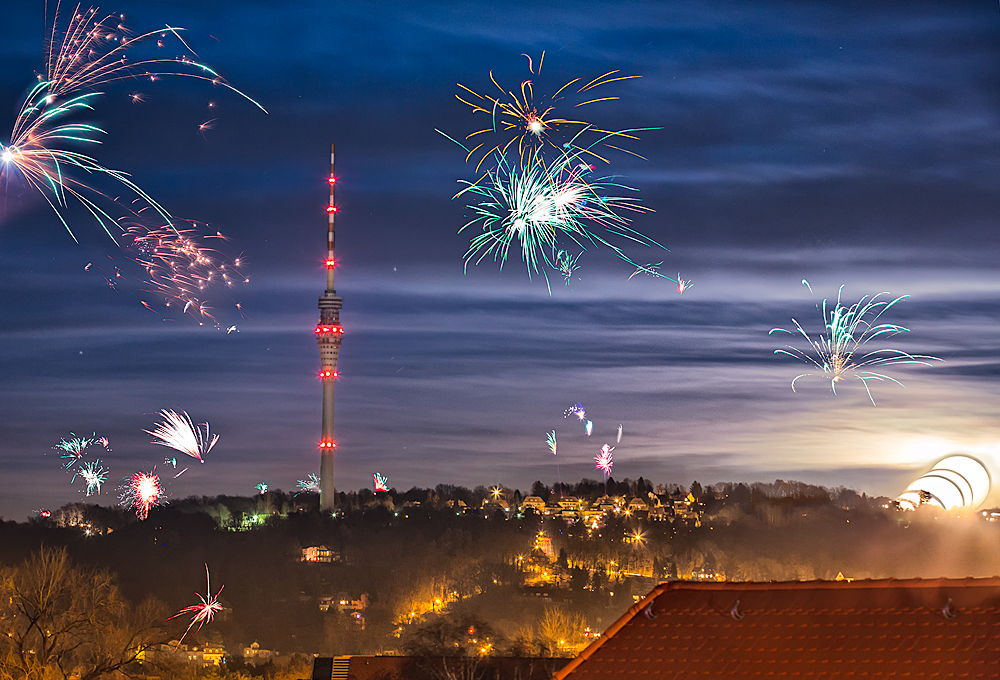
[{"x": 912, "y": 629}]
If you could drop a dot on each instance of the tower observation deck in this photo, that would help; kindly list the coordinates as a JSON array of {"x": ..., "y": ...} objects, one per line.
[{"x": 329, "y": 334}]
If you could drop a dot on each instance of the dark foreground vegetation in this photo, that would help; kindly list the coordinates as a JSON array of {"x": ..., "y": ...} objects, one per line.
[{"x": 445, "y": 571}]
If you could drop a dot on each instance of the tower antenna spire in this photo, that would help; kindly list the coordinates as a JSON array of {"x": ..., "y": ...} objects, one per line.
[
  {"x": 329, "y": 334},
  {"x": 331, "y": 210}
]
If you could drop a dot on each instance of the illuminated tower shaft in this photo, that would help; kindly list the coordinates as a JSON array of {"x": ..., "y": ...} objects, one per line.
[{"x": 329, "y": 333}]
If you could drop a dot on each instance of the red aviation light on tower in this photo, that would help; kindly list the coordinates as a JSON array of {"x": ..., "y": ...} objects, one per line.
[
  {"x": 326, "y": 444},
  {"x": 331, "y": 179},
  {"x": 329, "y": 330},
  {"x": 331, "y": 208},
  {"x": 326, "y": 373},
  {"x": 330, "y": 263}
]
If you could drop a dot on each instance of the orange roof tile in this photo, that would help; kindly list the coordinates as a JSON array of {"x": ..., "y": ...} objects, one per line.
[{"x": 913, "y": 629}]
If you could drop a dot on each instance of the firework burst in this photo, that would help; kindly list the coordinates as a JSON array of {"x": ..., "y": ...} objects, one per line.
[
  {"x": 577, "y": 410},
  {"x": 94, "y": 474},
  {"x": 380, "y": 482},
  {"x": 143, "y": 491},
  {"x": 73, "y": 449},
  {"x": 566, "y": 265},
  {"x": 204, "y": 611},
  {"x": 91, "y": 51},
  {"x": 521, "y": 119},
  {"x": 309, "y": 485},
  {"x": 180, "y": 265},
  {"x": 533, "y": 205},
  {"x": 179, "y": 433},
  {"x": 604, "y": 460},
  {"x": 261, "y": 488},
  {"x": 838, "y": 352}
]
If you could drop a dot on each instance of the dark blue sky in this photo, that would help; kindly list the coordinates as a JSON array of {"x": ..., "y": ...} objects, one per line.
[{"x": 845, "y": 143}]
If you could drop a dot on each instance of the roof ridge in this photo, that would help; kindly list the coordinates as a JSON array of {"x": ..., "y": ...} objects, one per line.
[{"x": 968, "y": 581}]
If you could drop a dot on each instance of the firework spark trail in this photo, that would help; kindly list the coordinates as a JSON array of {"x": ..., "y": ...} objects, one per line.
[
  {"x": 380, "y": 482},
  {"x": 619, "y": 440},
  {"x": 532, "y": 204},
  {"x": 847, "y": 330},
  {"x": 73, "y": 449},
  {"x": 589, "y": 427},
  {"x": 179, "y": 264},
  {"x": 532, "y": 124},
  {"x": 204, "y": 611},
  {"x": 550, "y": 440},
  {"x": 308, "y": 485},
  {"x": 179, "y": 433},
  {"x": 94, "y": 474},
  {"x": 653, "y": 269},
  {"x": 143, "y": 492},
  {"x": 92, "y": 51},
  {"x": 577, "y": 410}
]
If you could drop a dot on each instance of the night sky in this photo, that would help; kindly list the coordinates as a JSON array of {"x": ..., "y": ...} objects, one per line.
[{"x": 853, "y": 144}]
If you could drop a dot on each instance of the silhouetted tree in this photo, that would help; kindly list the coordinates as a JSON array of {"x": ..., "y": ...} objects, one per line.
[{"x": 63, "y": 621}]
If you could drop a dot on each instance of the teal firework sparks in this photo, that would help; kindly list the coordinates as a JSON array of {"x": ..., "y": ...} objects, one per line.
[
  {"x": 839, "y": 353},
  {"x": 73, "y": 449},
  {"x": 308, "y": 485},
  {"x": 566, "y": 264},
  {"x": 94, "y": 474},
  {"x": 532, "y": 206}
]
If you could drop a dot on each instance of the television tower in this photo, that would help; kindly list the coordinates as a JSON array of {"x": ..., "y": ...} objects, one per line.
[{"x": 329, "y": 334}]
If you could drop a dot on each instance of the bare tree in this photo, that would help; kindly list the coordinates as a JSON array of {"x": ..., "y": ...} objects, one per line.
[
  {"x": 61, "y": 621},
  {"x": 560, "y": 631}
]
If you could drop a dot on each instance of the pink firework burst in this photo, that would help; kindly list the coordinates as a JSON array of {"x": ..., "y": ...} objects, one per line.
[
  {"x": 605, "y": 460},
  {"x": 204, "y": 611},
  {"x": 380, "y": 482},
  {"x": 144, "y": 491}
]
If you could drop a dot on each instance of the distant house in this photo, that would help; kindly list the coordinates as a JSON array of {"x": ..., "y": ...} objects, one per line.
[
  {"x": 593, "y": 518},
  {"x": 659, "y": 513},
  {"x": 572, "y": 503},
  {"x": 319, "y": 553},
  {"x": 636, "y": 505},
  {"x": 346, "y": 603},
  {"x": 458, "y": 506},
  {"x": 914, "y": 628},
  {"x": 255, "y": 653},
  {"x": 533, "y": 503},
  {"x": 194, "y": 655}
]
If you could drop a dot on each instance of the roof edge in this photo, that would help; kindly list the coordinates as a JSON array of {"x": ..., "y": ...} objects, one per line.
[
  {"x": 612, "y": 629},
  {"x": 822, "y": 584}
]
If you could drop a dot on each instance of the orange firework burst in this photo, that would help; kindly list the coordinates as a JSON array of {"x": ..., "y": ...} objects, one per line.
[{"x": 520, "y": 117}]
